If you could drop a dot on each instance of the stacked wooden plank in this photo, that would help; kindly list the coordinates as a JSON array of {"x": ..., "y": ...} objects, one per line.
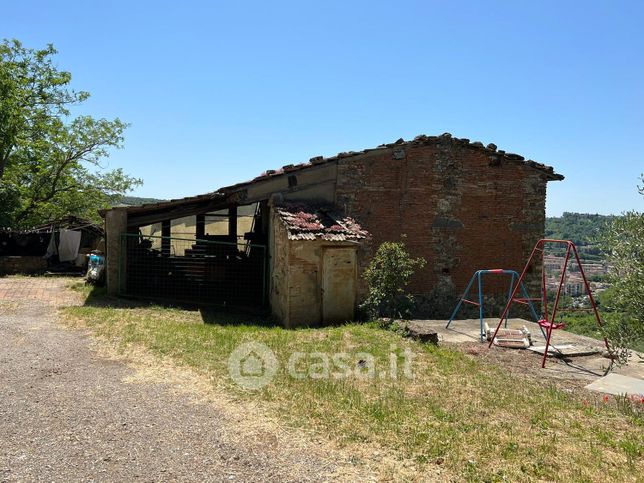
[{"x": 511, "y": 338}]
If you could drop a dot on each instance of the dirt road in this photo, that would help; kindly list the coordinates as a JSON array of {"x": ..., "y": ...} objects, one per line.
[{"x": 69, "y": 414}]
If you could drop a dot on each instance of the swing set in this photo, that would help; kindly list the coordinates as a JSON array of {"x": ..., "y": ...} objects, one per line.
[
  {"x": 478, "y": 277},
  {"x": 547, "y": 320}
]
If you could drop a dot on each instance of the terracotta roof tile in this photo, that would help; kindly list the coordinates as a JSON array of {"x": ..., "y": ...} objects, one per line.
[
  {"x": 317, "y": 160},
  {"x": 326, "y": 222},
  {"x": 421, "y": 139}
]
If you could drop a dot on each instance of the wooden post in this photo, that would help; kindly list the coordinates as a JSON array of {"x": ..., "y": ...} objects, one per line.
[
  {"x": 264, "y": 215},
  {"x": 200, "y": 228},
  {"x": 166, "y": 232},
  {"x": 232, "y": 223}
]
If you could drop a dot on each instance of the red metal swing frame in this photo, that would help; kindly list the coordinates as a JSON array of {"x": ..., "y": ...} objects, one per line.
[{"x": 548, "y": 321}]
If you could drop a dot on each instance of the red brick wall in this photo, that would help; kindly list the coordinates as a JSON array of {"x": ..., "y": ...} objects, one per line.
[{"x": 462, "y": 207}]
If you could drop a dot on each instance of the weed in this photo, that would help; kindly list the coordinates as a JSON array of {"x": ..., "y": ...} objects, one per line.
[
  {"x": 632, "y": 448},
  {"x": 472, "y": 419}
]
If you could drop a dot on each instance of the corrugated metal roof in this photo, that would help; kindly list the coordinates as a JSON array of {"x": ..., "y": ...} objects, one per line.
[{"x": 326, "y": 222}]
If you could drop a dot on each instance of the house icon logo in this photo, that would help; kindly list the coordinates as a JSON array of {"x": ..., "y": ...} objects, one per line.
[{"x": 252, "y": 365}]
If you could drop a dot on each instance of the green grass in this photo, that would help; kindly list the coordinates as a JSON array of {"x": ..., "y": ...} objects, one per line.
[
  {"x": 475, "y": 420},
  {"x": 586, "y": 324}
]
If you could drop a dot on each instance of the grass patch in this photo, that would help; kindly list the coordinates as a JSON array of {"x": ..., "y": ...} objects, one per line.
[
  {"x": 586, "y": 324},
  {"x": 474, "y": 420}
]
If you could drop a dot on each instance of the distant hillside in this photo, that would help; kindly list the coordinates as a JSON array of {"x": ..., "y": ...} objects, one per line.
[
  {"x": 582, "y": 228},
  {"x": 135, "y": 200}
]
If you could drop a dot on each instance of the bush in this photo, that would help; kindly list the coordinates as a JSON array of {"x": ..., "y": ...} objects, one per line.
[{"x": 387, "y": 276}]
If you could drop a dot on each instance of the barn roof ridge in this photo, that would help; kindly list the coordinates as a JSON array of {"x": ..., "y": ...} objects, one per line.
[{"x": 419, "y": 140}]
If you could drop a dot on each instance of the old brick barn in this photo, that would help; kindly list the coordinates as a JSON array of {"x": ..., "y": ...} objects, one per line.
[{"x": 297, "y": 239}]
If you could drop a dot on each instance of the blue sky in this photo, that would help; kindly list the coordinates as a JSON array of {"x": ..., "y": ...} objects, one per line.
[{"x": 217, "y": 92}]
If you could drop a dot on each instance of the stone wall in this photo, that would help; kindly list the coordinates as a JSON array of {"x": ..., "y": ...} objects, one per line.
[
  {"x": 10, "y": 265},
  {"x": 461, "y": 207},
  {"x": 279, "y": 268},
  {"x": 115, "y": 226}
]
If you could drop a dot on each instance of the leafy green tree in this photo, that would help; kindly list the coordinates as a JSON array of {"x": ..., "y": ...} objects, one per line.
[
  {"x": 624, "y": 244},
  {"x": 387, "y": 275},
  {"x": 50, "y": 162}
]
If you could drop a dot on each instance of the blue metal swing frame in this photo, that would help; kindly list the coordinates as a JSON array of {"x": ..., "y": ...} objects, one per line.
[{"x": 478, "y": 276}]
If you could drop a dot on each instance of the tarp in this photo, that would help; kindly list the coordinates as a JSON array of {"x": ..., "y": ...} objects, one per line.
[
  {"x": 51, "y": 248},
  {"x": 68, "y": 245}
]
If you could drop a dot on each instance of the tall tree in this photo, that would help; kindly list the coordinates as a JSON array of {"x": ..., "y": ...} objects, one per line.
[
  {"x": 624, "y": 244},
  {"x": 50, "y": 162}
]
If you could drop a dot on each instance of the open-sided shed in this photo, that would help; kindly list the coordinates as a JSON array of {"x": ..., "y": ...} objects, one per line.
[{"x": 297, "y": 239}]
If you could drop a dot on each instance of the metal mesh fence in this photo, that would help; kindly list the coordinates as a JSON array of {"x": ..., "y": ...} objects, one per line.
[{"x": 203, "y": 272}]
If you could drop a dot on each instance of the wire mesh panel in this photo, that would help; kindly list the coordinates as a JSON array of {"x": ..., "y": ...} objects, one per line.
[{"x": 203, "y": 272}]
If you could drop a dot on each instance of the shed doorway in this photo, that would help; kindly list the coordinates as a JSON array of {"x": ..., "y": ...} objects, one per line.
[{"x": 338, "y": 284}]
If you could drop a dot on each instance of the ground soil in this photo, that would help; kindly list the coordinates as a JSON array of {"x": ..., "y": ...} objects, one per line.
[
  {"x": 69, "y": 412},
  {"x": 525, "y": 364}
]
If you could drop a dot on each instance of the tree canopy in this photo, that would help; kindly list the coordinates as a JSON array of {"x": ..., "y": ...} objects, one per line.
[
  {"x": 50, "y": 162},
  {"x": 624, "y": 242}
]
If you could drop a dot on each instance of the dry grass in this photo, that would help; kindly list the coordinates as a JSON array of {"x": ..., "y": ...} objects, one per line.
[
  {"x": 457, "y": 416},
  {"x": 244, "y": 421}
]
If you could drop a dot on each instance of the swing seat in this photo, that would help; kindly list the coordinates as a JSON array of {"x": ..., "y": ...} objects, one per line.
[{"x": 549, "y": 325}]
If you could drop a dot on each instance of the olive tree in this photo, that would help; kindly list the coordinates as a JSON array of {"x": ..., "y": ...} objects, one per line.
[{"x": 623, "y": 242}]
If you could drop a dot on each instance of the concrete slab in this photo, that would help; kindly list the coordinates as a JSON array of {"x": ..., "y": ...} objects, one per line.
[
  {"x": 586, "y": 368},
  {"x": 618, "y": 384},
  {"x": 565, "y": 350}
]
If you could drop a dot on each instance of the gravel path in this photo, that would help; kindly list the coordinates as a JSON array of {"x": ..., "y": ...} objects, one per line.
[{"x": 66, "y": 413}]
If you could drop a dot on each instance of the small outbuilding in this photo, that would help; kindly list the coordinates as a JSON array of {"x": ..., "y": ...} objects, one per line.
[{"x": 315, "y": 263}]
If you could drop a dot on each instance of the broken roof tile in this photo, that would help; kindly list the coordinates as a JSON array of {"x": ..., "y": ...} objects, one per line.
[{"x": 310, "y": 222}]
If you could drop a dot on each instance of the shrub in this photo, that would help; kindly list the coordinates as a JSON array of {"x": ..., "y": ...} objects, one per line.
[{"x": 387, "y": 276}]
